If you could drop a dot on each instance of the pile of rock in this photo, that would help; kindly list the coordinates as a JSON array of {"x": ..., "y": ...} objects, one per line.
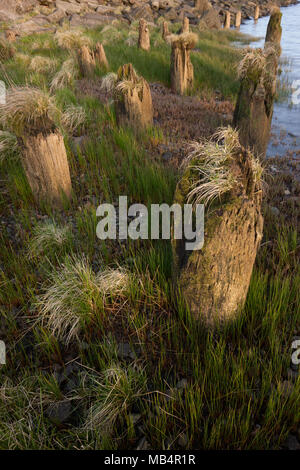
[{"x": 29, "y": 16}]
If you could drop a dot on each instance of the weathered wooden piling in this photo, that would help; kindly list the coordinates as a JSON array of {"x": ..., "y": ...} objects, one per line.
[
  {"x": 238, "y": 19},
  {"x": 144, "y": 36},
  {"x": 258, "y": 74},
  {"x": 133, "y": 101},
  {"x": 100, "y": 56},
  {"x": 165, "y": 30},
  {"x": 227, "y": 21},
  {"x": 214, "y": 280},
  {"x": 182, "y": 70},
  {"x": 186, "y": 25}
]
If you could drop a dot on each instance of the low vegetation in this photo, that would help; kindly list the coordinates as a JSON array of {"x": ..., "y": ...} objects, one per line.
[{"x": 102, "y": 352}]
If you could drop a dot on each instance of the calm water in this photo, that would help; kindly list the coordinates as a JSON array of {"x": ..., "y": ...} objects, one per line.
[{"x": 286, "y": 117}]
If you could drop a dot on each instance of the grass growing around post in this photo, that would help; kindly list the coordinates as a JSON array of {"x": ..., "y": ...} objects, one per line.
[{"x": 101, "y": 350}]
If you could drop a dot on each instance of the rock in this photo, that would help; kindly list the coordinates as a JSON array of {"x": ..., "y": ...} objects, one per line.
[
  {"x": 183, "y": 383},
  {"x": 143, "y": 444},
  {"x": 91, "y": 20},
  {"x": 210, "y": 19},
  {"x": 25, "y": 6},
  {"x": 292, "y": 443},
  {"x": 275, "y": 211},
  {"x": 202, "y": 6},
  {"x": 183, "y": 440},
  {"x": 171, "y": 15},
  {"x": 59, "y": 412},
  {"x": 124, "y": 350},
  {"x": 68, "y": 8},
  {"x": 143, "y": 11},
  {"x": 38, "y": 24},
  {"x": 155, "y": 5},
  {"x": 56, "y": 16}
]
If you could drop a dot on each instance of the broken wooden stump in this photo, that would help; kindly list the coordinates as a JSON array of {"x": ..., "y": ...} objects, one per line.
[
  {"x": 133, "y": 101},
  {"x": 225, "y": 177},
  {"x": 182, "y": 70},
  {"x": 86, "y": 61},
  {"x": 185, "y": 25},
  {"x": 29, "y": 113},
  {"x": 144, "y": 37},
  {"x": 238, "y": 19},
  {"x": 165, "y": 31},
  {"x": 256, "y": 13},
  {"x": 46, "y": 166},
  {"x": 227, "y": 21},
  {"x": 274, "y": 30},
  {"x": 254, "y": 107},
  {"x": 100, "y": 56}
]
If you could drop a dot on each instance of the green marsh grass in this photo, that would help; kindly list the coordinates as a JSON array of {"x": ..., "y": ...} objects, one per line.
[{"x": 232, "y": 396}]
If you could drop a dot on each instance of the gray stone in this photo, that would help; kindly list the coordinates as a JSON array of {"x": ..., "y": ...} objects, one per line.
[
  {"x": 59, "y": 412},
  {"x": 292, "y": 443}
]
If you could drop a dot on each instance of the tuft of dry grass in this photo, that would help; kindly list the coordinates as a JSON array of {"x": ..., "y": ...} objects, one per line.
[
  {"x": 212, "y": 161},
  {"x": 40, "y": 64},
  {"x": 26, "y": 109},
  {"x": 48, "y": 238},
  {"x": 8, "y": 145},
  {"x": 254, "y": 62},
  {"x": 108, "y": 82},
  {"x": 72, "y": 40},
  {"x": 114, "y": 392},
  {"x": 23, "y": 59},
  {"x": 7, "y": 51},
  {"x": 66, "y": 75},
  {"x": 73, "y": 294},
  {"x": 185, "y": 40},
  {"x": 72, "y": 118}
]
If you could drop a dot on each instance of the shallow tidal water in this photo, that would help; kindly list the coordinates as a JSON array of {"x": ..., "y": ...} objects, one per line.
[{"x": 286, "y": 116}]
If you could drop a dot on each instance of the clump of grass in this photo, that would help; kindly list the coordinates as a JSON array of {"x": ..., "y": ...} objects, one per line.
[
  {"x": 49, "y": 238},
  {"x": 74, "y": 294},
  {"x": 23, "y": 59},
  {"x": 110, "y": 34},
  {"x": 40, "y": 64},
  {"x": 72, "y": 40},
  {"x": 185, "y": 40},
  {"x": 7, "y": 51},
  {"x": 132, "y": 38},
  {"x": 114, "y": 393},
  {"x": 212, "y": 161},
  {"x": 27, "y": 108},
  {"x": 8, "y": 145},
  {"x": 66, "y": 75},
  {"x": 72, "y": 118},
  {"x": 108, "y": 82},
  {"x": 254, "y": 63}
]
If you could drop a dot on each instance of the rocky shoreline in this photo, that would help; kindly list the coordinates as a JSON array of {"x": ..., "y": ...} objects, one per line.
[{"x": 36, "y": 16}]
